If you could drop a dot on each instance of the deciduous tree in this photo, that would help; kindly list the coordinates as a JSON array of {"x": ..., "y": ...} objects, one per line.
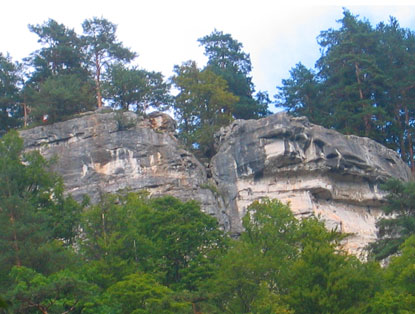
[
  {"x": 202, "y": 106},
  {"x": 141, "y": 293},
  {"x": 173, "y": 240},
  {"x": 60, "y": 292}
]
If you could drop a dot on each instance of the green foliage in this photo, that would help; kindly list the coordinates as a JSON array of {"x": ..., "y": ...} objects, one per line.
[
  {"x": 399, "y": 224},
  {"x": 60, "y": 85},
  {"x": 3, "y": 304},
  {"x": 282, "y": 265},
  {"x": 137, "y": 254},
  {"x": 397, "y": 46},
  {"x": 10, "y": 109},
  {"x": 103, "y": 49},
  {"x": 269, "y": 302},
  {"x": 135, "y": 89},
  {"x": 227, "y": 59},
  {"x": 351, "y": 74},
  {"x": 124, "y": 122},
  {"x": 362, "y": 83},
  {"x": 111, "y": 242},
  {"x": 202, "y": 106},
  {"x": 60, "y": 292},
  {"x": 235, "y": 287},
  {"x": 60, "y": 96},
  {"x": 36, "y": 220},
  {"x": 398, "y": 296},
  {"x": 300, "y": 94},
  {"x": 259, "y": 259},
  {"x": 62, "y": 52},
  {"x": 142, "y": 294},
  {"x": 173, "y": 240},
  {"x": 401, "y": 270},
  {"x": 38, "y": 228},
  {"x": 211, "y": 187},
  {"x": 71, "y": 73},
  {"x": 389, "y": 301},
  {"x": 188, "y": 241},
  {"x": 325, "y": 282}
]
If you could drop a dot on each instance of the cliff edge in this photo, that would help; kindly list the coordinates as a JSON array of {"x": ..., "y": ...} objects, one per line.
[
  {"x": 319, "y": 171},
  {"x": 104, "y": 152}
]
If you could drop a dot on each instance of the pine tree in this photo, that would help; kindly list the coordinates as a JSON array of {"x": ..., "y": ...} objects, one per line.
[
  {"x": 228, "y": 60},
  {"x": 133, "y": 88},
  {"x": 103, "y": 49},
  {"x": 301, "y": 95},
  {"x": 351, "y": 76},
  {"x": 10, "y": 102},
  {"x": 36, "y": 220},
  {"x": 60, "y": 84}
]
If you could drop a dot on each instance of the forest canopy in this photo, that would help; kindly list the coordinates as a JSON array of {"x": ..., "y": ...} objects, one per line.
[
  {"x": 362, "y": 84},
  {"x": 130, "y": 253}
]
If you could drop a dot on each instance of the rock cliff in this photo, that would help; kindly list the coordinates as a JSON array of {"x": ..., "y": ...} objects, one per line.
[
  {"x": 319, "y": 171},
  {"x": 106, "y": 152}
]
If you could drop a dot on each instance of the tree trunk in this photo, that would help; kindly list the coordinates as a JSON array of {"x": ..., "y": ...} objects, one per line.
[
  {"x": 194, "y": 308},
  {"x": 401, "y": 137},
  {"x": 410, "y": 145},
  {"x": 43, "y": 310},
  {"x": 98, "y": 81},
  {"x": 104, "y": 231},
  {"x": 25, "y": 114},
  {"x": 366, "y": 118},
  {"x": 15, "y": 242}
]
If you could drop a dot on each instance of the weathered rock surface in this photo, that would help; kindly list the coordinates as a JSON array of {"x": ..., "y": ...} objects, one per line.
[
  {"x": 319, "y": 171},
  {"x": 107, "y": 152}
]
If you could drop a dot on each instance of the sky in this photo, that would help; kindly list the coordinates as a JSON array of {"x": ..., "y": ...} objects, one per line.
[{"x": 276, "y": 34}]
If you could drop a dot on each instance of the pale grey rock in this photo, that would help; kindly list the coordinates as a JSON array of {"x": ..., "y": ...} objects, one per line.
[
  {"x": 319, "y": 171},
  {"x": 102, "y": 152},
  {"x": 162, "y": 122}
]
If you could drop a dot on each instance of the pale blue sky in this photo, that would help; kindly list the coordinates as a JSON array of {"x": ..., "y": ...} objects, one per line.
[{"x": 164, "y": 33}]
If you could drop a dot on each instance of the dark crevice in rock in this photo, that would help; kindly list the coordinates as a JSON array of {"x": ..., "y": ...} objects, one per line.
[{"x": 319, "y": 171}]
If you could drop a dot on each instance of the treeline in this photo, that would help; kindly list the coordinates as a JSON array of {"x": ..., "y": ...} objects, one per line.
[
  {"x": 135, "y": 254},
  {"x": 363, "y": 83},
  {"x": 74, "y": 73}
]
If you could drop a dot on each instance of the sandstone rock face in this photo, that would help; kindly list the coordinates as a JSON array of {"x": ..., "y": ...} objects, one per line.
[
  {"x": 319, "y": 171},
  {"x": 107, "y": 152}
]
